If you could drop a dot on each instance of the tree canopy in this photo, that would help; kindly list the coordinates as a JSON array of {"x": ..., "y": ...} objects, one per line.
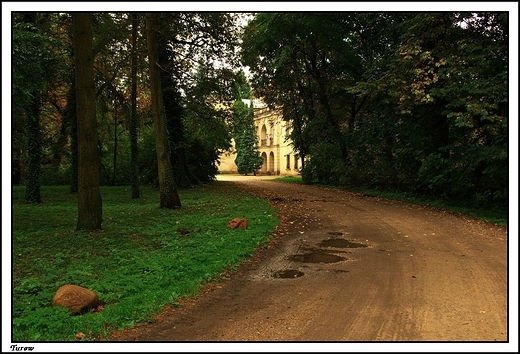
[
  {"x": 414, "y": 101},
  {"x": 410, "y": 101}
]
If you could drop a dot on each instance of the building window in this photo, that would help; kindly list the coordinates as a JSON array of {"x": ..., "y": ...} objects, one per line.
[
  {"x": 263, "y": 136},
  {"x": 295, "y": 162},
  {"x": 288, "y": 162}
]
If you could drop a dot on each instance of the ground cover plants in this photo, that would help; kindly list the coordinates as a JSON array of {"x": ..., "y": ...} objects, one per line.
[{"x": 143, "y": 259}]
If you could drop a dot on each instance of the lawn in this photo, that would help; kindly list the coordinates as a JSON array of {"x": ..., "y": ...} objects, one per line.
[{"x": 143, "y": 259}]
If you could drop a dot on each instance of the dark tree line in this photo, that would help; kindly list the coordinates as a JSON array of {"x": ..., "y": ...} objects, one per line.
[{"x": 410, "y": 101}]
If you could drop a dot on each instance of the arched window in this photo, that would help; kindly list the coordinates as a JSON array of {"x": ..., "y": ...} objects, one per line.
[{"x": 263, "y": 136}]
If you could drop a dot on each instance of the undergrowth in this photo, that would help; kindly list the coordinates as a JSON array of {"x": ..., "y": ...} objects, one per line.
[{"x": 143, "y": 259}]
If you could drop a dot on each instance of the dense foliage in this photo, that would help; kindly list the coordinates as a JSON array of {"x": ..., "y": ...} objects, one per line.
[
  {"x": 192, "y": 49},
  {"x": 409, "y": 101}
]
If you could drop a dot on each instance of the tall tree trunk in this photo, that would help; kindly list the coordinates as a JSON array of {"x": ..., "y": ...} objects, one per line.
[
  {"x": 168, "y": 191},
  {"x": 297, "y": 124},
  {"x": 89, "y": 196},
  {"x": 34, "y": 152},
  {"x": 134, "y": 151},
  {"x": 16, "y": 166},
  {"x": 335, "y": 128},
  {"x": 72, "y": 118},
  {"x": 173, "y": 111},
  {"x": 114, "y": 154},
  {"x": 34, "y": 145}
]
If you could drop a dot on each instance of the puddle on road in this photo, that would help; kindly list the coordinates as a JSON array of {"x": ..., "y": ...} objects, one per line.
[
  {"x": 316, "y": 257},
  {"x": 288, "y": 274},
  {"x": 277, "y": 200},
  {"x": 340, "y": 243}
]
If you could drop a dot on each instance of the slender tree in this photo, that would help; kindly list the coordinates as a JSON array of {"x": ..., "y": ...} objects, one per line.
[
  {"x": 30, "y": 92},
  {"x": 89, "y": 196},
  {"x": 72, "y": 116},
  {"x": 169, "y": 197},
  {"x": 134, "y": 154}
]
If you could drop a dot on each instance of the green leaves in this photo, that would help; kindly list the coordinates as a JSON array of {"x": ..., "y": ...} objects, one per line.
[
  {"x": 36, "y": 63},
  {"x": 415, "y": 101}
]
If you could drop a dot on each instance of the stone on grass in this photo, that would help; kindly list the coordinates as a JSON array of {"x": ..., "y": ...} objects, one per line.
[
  {"x": 76, "y": 298},
  {"x": 238, "y": 224}
]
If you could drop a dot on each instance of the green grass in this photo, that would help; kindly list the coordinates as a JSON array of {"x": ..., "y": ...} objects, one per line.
[
  {"x": 490, "y": 214},
  {"x": 143, "y": 259},
  {"x": 290, "y": 179}
]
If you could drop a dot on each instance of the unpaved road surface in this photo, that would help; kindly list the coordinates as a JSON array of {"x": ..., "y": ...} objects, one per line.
[{"x": 348, "y": 267}]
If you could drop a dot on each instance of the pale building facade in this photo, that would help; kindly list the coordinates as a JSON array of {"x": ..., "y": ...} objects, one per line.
[{"x": 274, "y": 144}]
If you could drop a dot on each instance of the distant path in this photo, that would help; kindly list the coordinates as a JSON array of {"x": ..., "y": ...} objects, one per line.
[{"x": 424, "y": 275}]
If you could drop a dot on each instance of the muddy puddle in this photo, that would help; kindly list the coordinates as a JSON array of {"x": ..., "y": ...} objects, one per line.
[
  {"x": 316, "y": 257},
  {"x": 340, "y": 243},
  {"x": 288, "y": 274}
]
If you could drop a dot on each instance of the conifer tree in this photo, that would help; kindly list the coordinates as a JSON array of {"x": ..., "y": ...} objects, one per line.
[{"x": 248, "y": 158}]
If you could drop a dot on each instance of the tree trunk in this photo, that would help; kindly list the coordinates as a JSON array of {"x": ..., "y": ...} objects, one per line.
[
  {"x": 71, "y": 116},
  {"x": 169, "y": 198},
  {"x": 34, "y": 144},
  {"x": 336, "y": 130},
  {"x": 89, "y": 196},
  {"x": 173, "y": 111},
  {"x": 17, "y": 166},
  {"x": 34, "y": 152},
  {"x": 134, "y": 151},
  {"x": 114, "y": 153}
]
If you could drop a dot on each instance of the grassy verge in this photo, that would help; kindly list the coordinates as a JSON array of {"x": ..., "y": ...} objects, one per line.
[
  {"x": 490, "y": 214},
  {"x": 290, "y": 179},
  {"x": 143, "y": 259}
]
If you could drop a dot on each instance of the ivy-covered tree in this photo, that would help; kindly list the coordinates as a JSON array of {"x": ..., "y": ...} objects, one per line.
[
  {"x": 35, "y": 69},
  {"x": 190, "y": 47},
  {"x": 169, "y": 196}
]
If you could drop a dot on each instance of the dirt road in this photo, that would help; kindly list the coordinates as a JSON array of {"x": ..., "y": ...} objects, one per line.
[{"x": 347, "y": 267}]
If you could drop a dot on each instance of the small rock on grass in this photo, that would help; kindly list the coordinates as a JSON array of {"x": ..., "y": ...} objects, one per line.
[
  {"x": 76, "y": 298},
  {"x": 238, "y": 223}
]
